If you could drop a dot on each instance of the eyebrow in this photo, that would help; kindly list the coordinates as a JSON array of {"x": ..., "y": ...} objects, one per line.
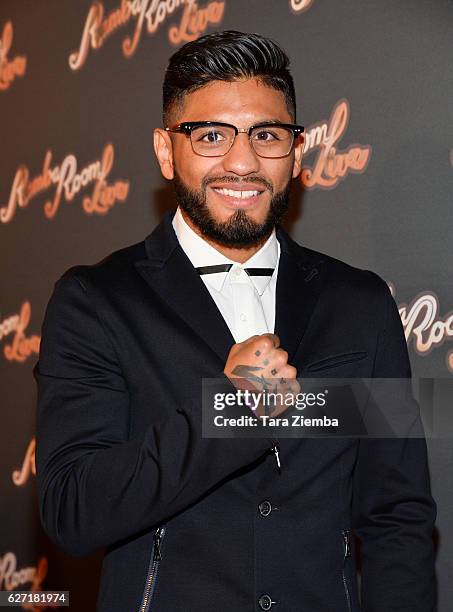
[
  {"x": 259, "y": 122},
  {"x": 266, "y": 121}
]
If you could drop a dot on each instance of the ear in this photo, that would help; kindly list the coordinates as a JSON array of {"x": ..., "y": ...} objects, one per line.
[
  {"x": 298, "y": 150},
  {"x": 163, "y": 149}
]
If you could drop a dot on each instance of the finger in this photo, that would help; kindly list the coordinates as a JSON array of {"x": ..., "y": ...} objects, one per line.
[
  {"x": 295, "y": 387},
  {"x": 287, "y": 371},
  {"x": 251, "y": 339},
  {"x": 288, "y": 385}
]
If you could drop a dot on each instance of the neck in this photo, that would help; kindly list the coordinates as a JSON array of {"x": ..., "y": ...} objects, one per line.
[{"x": 240, "y": 255}]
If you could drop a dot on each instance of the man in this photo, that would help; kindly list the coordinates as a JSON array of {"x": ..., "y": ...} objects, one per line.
[{"x": 220, "y": 290}]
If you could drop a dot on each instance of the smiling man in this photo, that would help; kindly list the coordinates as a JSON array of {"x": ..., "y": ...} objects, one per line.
[
  {"x": 235, "y": 189},
  {"x": 220, "y": 290}
]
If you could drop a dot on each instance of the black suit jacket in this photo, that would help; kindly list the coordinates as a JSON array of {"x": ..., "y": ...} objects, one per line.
[{"x": 197, "y": 524}]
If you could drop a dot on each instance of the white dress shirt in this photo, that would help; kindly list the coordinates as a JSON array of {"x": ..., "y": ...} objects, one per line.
[{"x": 247, "y": 303}]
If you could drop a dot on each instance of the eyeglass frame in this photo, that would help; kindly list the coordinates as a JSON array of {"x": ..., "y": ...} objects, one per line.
[{"x": 186, "y": 127}]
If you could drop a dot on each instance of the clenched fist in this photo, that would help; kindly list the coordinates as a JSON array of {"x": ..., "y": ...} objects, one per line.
[{"x": 259, "y": 363}]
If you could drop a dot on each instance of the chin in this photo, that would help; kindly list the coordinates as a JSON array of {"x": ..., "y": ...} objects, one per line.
[{"x": 223, "y": 213}]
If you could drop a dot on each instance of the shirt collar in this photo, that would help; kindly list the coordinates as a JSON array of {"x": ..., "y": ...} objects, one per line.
[{"x": 201, "y": 253}]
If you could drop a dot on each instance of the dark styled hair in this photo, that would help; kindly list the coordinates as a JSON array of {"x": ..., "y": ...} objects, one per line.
[{"x": 226, "y": 56}]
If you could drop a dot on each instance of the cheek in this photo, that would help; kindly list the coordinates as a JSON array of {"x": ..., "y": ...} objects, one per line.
[
  {"x": 278, "y": 172},
  {"x": 194, "y": 168}
]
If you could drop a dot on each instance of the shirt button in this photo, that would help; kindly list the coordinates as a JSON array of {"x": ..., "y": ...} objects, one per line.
[
  {"x": 265, "y": 602},
  {"x": 237, "y": 271},
  {"x": 265, "y": 508},
  {"x": 243, "y": 317}
]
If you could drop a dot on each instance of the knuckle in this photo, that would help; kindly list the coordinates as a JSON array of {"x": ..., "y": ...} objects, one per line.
[
  {"x": 252, "y": 338},
  {"x": 290, "y": 371},
  {"x": 279, "y": 362},
  {"x": 282, "y": 355},
  {"x": 264, "y": 343}
]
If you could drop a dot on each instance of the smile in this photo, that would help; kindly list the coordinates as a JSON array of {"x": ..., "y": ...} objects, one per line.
[{"x": 237, "y": 194}]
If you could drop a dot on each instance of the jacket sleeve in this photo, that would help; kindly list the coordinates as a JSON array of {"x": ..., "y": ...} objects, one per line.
[
  {"x": 393, "y": 510},
  {"x": 95, "y": 485}
]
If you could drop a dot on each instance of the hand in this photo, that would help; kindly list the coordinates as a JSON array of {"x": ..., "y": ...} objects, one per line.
[{"x": 258, "y": 363}]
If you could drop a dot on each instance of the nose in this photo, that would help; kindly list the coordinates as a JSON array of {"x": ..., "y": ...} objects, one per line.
[{"x": 241, "y": 158}]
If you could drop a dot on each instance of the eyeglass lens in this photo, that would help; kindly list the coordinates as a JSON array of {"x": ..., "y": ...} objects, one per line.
[{"x": 272, "y": 141}]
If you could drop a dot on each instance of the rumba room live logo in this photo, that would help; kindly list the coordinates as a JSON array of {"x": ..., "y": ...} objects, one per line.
[
  {"x": 18, "y": 344},
  {"x": 66, "y": 180},
  {"x": 11, "y": 66},
  {"x": 332, "y": 164},
  {"x": 147, "y": 16},
  {"x": 425, "y": 327}
]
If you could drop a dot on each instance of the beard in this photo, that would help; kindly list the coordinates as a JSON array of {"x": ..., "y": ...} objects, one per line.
[{"x": 239, "y": 231}]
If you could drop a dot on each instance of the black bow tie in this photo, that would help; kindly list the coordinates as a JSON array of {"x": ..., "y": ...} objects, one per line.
[{"x": 226, "y": 267}]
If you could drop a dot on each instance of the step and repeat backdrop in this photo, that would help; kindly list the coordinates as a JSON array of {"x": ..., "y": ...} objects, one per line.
[{"x": 80, "y": 94}]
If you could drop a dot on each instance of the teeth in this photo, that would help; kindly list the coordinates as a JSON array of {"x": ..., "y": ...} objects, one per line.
[{"x": 237, "y": 194}]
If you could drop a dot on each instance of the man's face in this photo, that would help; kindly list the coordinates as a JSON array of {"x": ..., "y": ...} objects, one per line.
[{"x": 198, "y": 180}]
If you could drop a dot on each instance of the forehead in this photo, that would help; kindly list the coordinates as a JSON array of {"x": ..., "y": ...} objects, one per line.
[{"x": 241, "y": 102}]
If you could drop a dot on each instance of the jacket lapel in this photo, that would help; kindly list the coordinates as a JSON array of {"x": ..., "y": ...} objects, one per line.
[
  {"x": 169, "y": 273},
  {"x": 299, "y": 283}
]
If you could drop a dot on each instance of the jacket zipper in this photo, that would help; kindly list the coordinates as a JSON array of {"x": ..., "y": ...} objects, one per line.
[
  {"x": 347, "y": 553},
  {"x": 156, "y": 556},
  {"x": 276, "y": 450}
]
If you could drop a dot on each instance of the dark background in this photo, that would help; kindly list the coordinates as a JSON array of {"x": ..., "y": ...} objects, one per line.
[{"x": 390, "y": 60}]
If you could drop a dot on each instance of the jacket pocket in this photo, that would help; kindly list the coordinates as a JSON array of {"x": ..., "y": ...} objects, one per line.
[
  {"x": 151, "y": 577},
  {"x": 345, "y": 534},
  {"x": 335, "y": 360}
]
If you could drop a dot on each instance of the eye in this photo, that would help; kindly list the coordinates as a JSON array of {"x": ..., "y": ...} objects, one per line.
[
  {"x": 266, "y": 135},
  {"x": 210, "y": 135}
]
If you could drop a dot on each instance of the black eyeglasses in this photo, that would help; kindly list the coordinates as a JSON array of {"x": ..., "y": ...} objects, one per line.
[{"x": 212, "y": 138}]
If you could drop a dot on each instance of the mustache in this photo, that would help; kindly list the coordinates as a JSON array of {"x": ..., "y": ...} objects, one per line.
[{"x": 233, "y": 179}]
